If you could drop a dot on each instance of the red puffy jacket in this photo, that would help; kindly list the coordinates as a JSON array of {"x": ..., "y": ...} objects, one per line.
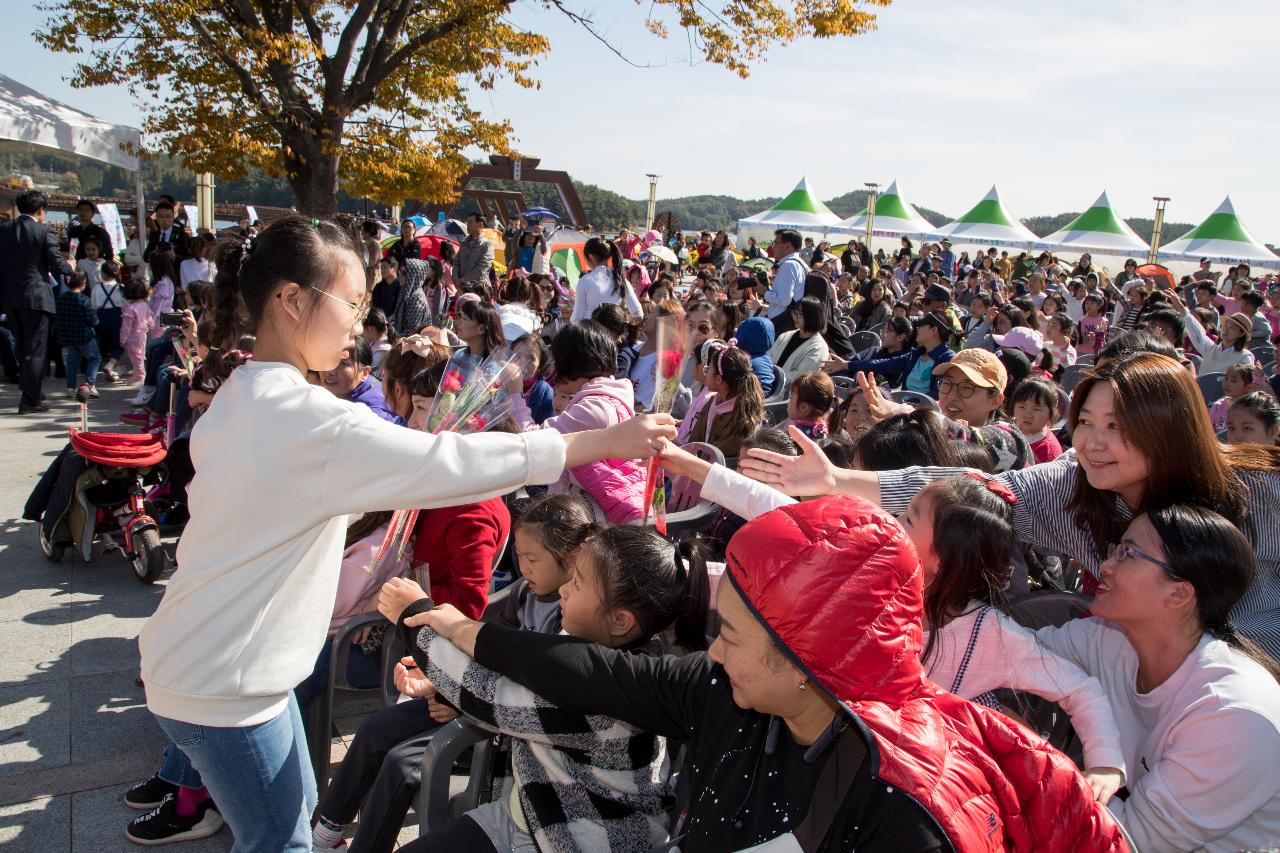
[{"x": 839, "y": 584}]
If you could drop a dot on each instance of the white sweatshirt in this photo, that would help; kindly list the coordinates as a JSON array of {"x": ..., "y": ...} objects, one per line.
[
  {"x": 1202, "y": 749},
  {"x": 280, "y": 464}
]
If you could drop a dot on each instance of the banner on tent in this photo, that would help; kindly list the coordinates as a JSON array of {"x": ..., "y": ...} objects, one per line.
[
  {"x": 110, "y": 214},
  {"x": 1272, "y": 264}
]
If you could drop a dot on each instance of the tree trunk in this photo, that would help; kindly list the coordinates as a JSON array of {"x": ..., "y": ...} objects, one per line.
[{"x": 312, "y": 169}]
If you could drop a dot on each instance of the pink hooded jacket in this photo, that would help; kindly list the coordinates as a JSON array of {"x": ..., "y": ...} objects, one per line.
[
  {"x": 616, "y": 485},
  {"x": 357, "y": 588}
]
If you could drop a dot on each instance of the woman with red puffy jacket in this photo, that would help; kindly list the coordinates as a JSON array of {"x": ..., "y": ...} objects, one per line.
[{"x": 839, "y": 745}]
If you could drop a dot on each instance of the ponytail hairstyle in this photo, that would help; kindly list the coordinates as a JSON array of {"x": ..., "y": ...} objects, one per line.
[
  {"x": 519, "y": 289},
  {"x": 973, "y": 539},
  {"x": 734, "y": 367},
  {"x": 561, "y": 523},
  {"x": 1210, "y": 553},
  {"x": 606, "y": 251},
  {"x": 311, "y": 252},
  {"x": 216, "y": 368},
  {"x": 661, "y": 584}
]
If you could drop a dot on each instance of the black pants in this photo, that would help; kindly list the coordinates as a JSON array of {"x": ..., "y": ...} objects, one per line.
[
  {"x": 380, "y": 775},
  {"x": 31, "y": 328}
]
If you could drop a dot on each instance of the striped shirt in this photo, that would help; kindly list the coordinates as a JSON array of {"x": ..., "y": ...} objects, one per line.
[{"x": 1041, "y": 520}]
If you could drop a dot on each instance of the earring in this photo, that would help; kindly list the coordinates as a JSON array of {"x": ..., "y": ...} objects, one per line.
[{"x": 804, "y": 684}]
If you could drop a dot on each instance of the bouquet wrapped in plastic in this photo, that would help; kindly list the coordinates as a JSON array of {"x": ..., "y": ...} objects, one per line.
[
  {"x": 474, "y": 395},
  {"x": 671, "y": 354}
]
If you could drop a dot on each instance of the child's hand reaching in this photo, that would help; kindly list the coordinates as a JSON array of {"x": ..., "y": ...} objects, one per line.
[
  {"x": 449, "y": 623},
  {"x": 397, "y": 594}
]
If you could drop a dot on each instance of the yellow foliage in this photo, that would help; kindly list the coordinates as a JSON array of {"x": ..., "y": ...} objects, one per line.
[{"x": 367, "y": 94}]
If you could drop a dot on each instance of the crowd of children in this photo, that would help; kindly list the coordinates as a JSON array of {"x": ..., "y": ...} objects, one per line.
[{"x": 1020, "y": 467}]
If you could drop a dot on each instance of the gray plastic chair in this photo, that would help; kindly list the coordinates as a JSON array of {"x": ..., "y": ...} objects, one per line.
[
  {"x": 914, "y": 398},
  {"x": 845, "y": 385},
  {"x": 864, "y": 340},
  {"x": 1072, "y": 375},
  {"x": 775, "y": 412},
  {"x": 1064, "y": 405},
  {"x": 1211, "y": 386},
  {"x": 688, "y": 512},
  {"x": 435, "y": 805}
]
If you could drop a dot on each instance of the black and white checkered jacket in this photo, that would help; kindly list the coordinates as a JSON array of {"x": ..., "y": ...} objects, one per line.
[{"x": 585, "y": 782}]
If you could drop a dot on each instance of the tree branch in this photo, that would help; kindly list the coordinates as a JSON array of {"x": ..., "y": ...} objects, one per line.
[
  {"x": 377, "y": 49},
  {"x": 346, "y": 44},
  {"x": 316, "y": 33},
  {"x": 250, "y": 86},
  {"x": 589, "y": 25}
]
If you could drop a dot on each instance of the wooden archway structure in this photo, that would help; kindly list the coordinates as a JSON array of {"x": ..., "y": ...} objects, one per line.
[{"x": 505, "y": 204}]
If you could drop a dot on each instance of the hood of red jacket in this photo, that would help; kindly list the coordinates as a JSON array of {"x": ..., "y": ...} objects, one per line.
[{"x": 839, "y": 584}]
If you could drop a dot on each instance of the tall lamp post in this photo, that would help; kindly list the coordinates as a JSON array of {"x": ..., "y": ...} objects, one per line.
[
  {"x": 653, "y": 200},
  {"x": 873, "y": 192},
  {"x": 1160, "y": 201}
]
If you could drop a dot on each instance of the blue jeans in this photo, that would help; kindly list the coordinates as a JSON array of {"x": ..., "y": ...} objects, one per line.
[
  {"x": 177, "y": 769},
  {"x": 260, "y": 776},
  {"x": 92, "y": 360}
]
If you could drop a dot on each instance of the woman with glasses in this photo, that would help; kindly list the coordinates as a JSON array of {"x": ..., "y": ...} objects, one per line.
[
  {"x": 1198, "y": 707},
  {"x": 281, "y": 465},
  {"x": 1142, "y": 440}
]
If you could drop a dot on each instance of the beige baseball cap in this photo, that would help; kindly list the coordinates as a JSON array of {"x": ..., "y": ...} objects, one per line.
[{"x": 980, "y": 366}]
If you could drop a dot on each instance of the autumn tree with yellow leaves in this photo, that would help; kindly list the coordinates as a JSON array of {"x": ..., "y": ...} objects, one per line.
[{"x": 371, "y": 94}]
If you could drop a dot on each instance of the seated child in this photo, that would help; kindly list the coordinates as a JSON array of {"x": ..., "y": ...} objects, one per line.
[
  {"x": 581, "y": 782},
  {"x": 585, "y": 357},
  {"x": 379, "y": 776},
  {"x": 809, "y": 407},
  {"x": 1254, "y": 418},
  {"x": 537, "y": 390},
  {"x": 1035, "y": 411},
  {"x": 1237, "y": 380},
  {"x": 738, "y": 406}
]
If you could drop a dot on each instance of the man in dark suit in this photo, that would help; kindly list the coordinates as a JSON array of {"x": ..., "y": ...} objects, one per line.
[
  {"x": 28, "y": 254},
  {"x": 168, "y": 233},
  {"x": 85, "y": 229}
]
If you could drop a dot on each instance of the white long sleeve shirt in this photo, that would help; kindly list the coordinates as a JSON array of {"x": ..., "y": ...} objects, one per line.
[
  {"x": 1202, "y": 749},
  {"x": 597, "y": 288},
  {"x": 1214, "y": 358},
  {"x": 1005, "y": 654},
  {"x": 280, "y": 464}
]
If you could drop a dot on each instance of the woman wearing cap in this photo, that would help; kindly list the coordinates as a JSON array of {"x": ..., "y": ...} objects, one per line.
[
  {"x": 815, "y": 745},
  {"x": 1232, "y": 349}
]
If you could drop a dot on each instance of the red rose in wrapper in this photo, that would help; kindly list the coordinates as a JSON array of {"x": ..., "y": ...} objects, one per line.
[
  {"x": 670, "y": 363},
  {"x": 475, "y": 423},
  {"x": 451, "y": 382}
]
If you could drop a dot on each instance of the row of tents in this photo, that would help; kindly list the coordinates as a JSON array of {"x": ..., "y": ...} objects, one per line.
[{"x": 1221, "y": 237}]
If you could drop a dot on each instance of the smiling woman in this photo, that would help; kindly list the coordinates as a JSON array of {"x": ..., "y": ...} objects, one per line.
[
  {"x": 281, "y": 464},
  {"x": 1143, "y": 440}
]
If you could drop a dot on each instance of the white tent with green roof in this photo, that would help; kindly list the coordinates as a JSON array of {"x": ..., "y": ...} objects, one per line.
[
  {"x": 801, "y": 210},
  {"x": 1222, "y": 238},
  {"x": 988, "y": 223},
  {"x": 1098, "y": 230},
  {"x": 895, "y": 217}
]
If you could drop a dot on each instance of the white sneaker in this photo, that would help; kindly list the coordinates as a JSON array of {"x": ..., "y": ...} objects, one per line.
[{"x": 143, "y": 395}]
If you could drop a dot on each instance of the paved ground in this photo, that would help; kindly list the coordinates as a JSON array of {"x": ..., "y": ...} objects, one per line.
[{"x": 74, "y": 728}]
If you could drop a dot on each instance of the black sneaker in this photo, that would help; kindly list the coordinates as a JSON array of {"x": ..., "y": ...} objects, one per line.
[
  {"x": 164, "y": 825},
  {"x": 149, "y": 794}
]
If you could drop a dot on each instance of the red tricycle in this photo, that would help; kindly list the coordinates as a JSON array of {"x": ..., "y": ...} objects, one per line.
[{"x": 103, "y": 479}]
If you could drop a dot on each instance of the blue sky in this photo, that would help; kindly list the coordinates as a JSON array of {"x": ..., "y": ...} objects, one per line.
[{"x": 1052, "y": 101}]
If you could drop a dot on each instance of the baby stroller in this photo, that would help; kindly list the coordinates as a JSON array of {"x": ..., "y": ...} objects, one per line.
[{"x": 94, "y": 491}]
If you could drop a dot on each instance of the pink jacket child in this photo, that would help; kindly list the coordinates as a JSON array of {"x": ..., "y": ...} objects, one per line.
[
  {"x": 136, "y": 322},
  {"x": 615, "y": 485},
  {"x": 357, "y": 588},
  {"x": 161, "y": 302}
]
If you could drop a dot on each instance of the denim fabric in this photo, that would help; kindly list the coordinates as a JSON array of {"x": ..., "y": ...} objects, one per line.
[
  {"x": 72, "y": 356},
  {"x": 177, "y": 769},
  {"x": 260, "y": 776}
]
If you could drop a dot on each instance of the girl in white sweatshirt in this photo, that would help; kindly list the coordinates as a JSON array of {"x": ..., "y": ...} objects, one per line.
[{"x": 246, "y": 613}]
